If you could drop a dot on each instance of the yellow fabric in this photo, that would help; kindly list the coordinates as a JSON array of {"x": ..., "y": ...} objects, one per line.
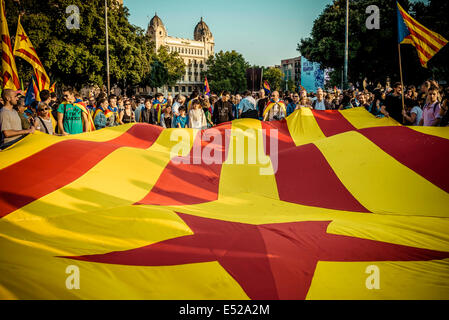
[
  {"x": 8, "y": 66},
  {"x": 23, "y": 42},
  {"x": 96, "y": 214}
]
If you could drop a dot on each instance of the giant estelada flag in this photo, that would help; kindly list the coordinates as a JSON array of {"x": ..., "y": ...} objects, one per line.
[{"x": 336, "y": 205}]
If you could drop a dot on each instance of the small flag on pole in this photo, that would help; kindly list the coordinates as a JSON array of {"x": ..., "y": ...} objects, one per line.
[
  {"x": 266, "y": 87},
  {"x": 426, "y": 42},
  {"x": 206, "y": 87}
]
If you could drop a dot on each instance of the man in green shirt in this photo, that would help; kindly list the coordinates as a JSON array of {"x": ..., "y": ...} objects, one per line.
[{"x": 70, "y": 116}]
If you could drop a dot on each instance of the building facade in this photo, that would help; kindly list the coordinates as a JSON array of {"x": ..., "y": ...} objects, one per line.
[
  {"x": 194, "y": 53},
  {"x": 292, "y": 69}
]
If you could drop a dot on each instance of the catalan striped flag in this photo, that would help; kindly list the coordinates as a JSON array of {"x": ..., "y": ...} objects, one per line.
[
  {"x": 24, "y": 48},
  {"x": 426, "y": 42},
  {"x": 292, "y": 209},
  {"x": 266, "y": 87},
  {"x": 9, "y": 70},
  {"x": 206, "y": 87}
]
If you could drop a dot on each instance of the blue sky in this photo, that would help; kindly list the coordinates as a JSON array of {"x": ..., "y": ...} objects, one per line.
[{"x": 264, "y": 31}]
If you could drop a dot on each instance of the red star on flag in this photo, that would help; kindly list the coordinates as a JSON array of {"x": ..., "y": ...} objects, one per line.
[
  {"x": 269, "y": 261},
  {"x": 23, "y": 37}
]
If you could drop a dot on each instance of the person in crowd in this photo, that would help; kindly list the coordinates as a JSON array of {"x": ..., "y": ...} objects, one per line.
[
  {"x": 43, "y": 120},
  {"x": 24, "y": 118},
  {"x": 195, "y": 94},
  {"x": 303, "y": 103},
  {"x": 100, "y": 120},
  {"x": 10, "y": 124},
  {"x": 247, "y": 106},
  {"x": 113, "y": 119},
  {"x": 223, "y": 109},
  {"x": 71, "y": 118},
  {"x": 393, "y": 103},
  {"x": 291, "y": 107},
  {"x": 127, "y": 114},
  {"x": 91, "y": 105},
  {"x": 139, "y": 109},
  {"x": 363, "y": 102},
  {"x": 148, "y": 115},
  {"x": 197, "y": 118},
  {"x": 329, "y": 101},
  {"x": 318, "y": 103},
  {"x": 346, "y": 101},
  {"x": 167, "y": 118},
  {"x": 276, "y": 109},
  {"x": 159, "y": 104},
  {"x": 182, "y": 121},
  {"x": 431, "y": 110},
  {"x": 377, "y": 104},
  {"x": 205, "y": 104},
  {"x": 180, "y": 100},
  {"x": 443, "y": 112},
  {"x": 261, "y": 103},
  {"x": 236, "y": 106},
  {"x": 412, "y": 113}
]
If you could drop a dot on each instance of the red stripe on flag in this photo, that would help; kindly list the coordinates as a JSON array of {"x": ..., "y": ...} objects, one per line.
[
  {"x": 429, "y": 157},
  {"x": 406, "y": 17},
  {"x": 62, "y": 163},
  {"x": 193, "y": 182},
  {"x": 332, "y": 122},
  {"x": 31, "y": 56},
  {"x": 305, "y": 177}
]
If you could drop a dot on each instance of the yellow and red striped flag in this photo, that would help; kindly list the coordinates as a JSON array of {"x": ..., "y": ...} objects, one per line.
[
  {"x": 9, "y": 70},
  {"x": 24, "y": 48},
  {"x": 426, "y": 42},
  {"x": 347, "y": 207}
]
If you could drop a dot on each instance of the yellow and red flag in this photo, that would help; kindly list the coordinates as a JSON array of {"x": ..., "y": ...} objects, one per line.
[
  {"x": 9, "y": 70},
  {"x": 426, "y": 42},
  {"x": 337, "y": 205},
  {"x": 24, "y": 48}
]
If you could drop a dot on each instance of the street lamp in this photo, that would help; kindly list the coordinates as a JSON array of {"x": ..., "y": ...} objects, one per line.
[{"x": 107, "y": 44}]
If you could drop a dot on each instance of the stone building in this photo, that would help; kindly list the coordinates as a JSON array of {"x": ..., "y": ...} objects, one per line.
[{"x": 194, "y": 53}]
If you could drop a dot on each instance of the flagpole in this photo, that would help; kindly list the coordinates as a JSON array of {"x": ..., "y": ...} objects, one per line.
[
  {"x": 345, "y": 76},
  {"x": 107, "y": 45},
  {"x": 402, "y": 81}
]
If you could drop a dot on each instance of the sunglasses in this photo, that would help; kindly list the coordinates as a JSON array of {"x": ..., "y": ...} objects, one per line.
[{"x": 45, "y": 109}]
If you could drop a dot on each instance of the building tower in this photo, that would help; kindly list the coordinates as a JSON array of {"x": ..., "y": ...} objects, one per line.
[
  {"x": 202, "y": 33},
  {"x": 156, "y": 30}
]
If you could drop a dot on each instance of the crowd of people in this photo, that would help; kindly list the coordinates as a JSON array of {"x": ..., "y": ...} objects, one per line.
[{"x": 73, "y": 114}]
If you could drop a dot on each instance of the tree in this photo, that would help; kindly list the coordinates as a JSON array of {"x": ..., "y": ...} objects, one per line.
[
  {"x": 274, "y": 77},
  {"x": 227, "y": 71},
  {"x": 372, "y": 53},
  {"x": 173, "y": 63},
  {"x": 77, "y": 56}
]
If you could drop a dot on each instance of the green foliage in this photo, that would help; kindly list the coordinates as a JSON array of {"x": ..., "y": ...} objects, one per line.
[
  {"x": 227, "y": 71},
  {"x": 373, "y": 53},
  {"x": 173, "y": 64},
  {"x": 288, "y": 85},
  {"x": 77, "y": 57},
  {"x": 274, "y": 76}
]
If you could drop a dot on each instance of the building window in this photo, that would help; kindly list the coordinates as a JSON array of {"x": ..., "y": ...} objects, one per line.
[
  {"x": 190, "y": 89},
  {"x": 176, "y": 89},
  {"x": 190, "y": 78},
  {"x": 170, "y": 89},
  {"x": 183, "y": 88}
]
